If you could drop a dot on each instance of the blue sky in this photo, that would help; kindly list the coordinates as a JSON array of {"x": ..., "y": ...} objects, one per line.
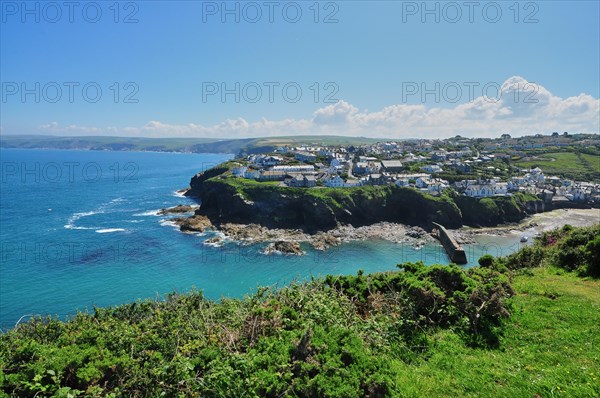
[{"x": 367, "y": 61}]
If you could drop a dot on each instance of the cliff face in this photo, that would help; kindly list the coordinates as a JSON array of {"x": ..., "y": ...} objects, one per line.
[
  {"x": 317, "y": 209},
  {"x": 498, "y": 210}
]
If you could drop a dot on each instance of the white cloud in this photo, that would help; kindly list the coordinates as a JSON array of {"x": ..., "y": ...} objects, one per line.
[
  {"x": 339, "y": 113},
  {"x": 522, "y": 108}
]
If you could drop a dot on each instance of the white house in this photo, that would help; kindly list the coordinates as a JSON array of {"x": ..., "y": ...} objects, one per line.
[
  {"x": 239, "y": 171},
  {"x": 479, "y": 191},
  {"x": 437, "y": 187},
  {"x": 303, "y": 181},
  {"x": 536, "y": 175},
  {"x": 335, "y": 182},
  {"x": 423, "y": 182},
  {"x": 296, "y": 168},
  {"x": 402, "y": 182},
  {"x": 266, "y": 160},
  {"x": 366, "y": 167},
  {"x": 501, "y": 188},
  {"x": 431, "y": 168},
  {"x": 251, "y": 174},
  {"x": 305, "y": 157}
]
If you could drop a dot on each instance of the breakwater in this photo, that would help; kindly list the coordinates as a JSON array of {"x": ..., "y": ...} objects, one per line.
[{"x": 455, "y": 251}]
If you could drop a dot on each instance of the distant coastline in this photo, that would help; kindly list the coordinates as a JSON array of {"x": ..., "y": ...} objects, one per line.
[
  {"x": 168, "y": 145},
  {"x": 114, "y": 150}
]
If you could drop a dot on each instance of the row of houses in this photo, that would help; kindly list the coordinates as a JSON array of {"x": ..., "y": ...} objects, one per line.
[
  {"x": 580, "y": 192},
  {"x": 369, "y": 170}
]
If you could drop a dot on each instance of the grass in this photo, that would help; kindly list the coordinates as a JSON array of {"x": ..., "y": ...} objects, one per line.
[
  {"x": 567, "y": 164},
  {"x": 551, "y": 347}
]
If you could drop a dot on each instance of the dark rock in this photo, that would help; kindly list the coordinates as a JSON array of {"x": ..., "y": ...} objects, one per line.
[
  {"x": 214, "y": 240},
  {"x": 324, "y": 241},
  {"x": 179, "y": 209},
  {"x": 284, "y": 247},
  {"x": 196, "y": 223}
]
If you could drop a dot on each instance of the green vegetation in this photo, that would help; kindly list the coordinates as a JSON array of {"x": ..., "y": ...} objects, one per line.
[
  {"x": 571, "y": 249},
  {"x": 514, "y": 327},
  {"x": 321, "y": 208},
  {"x": 318, "y": 208},
  {"x": 493, "y": 210},
  {"x": 574, "y": 164}
]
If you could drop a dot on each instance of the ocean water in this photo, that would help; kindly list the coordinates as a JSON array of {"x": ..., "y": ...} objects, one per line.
[{"x": 79, "y": 229}]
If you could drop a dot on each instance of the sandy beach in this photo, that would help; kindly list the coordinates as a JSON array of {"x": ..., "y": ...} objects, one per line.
[{"x": 535, "y": 224}]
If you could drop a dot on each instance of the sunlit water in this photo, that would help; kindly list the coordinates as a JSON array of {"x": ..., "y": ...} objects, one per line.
[{"x": 79, "y": 229}]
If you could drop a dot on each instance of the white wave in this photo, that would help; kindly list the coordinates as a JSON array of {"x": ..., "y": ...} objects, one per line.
[
  {"x": 134, "y": 221},
  {"x": 77, "y": 216},
  {"x": 214, "y": 244},
  {"x": 109, "y": 230},
  {"x": 100, "y": 210},
  {"x": 147, "y": 213},
  {"x": 180, "y": 193},
  {"x": 68, "y": 226},
  {"x": 168, "y": 223}
]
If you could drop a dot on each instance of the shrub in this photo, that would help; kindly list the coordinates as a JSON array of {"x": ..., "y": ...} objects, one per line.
[
  {"x": 569, "y": 248},
  {"x": 486, "y": 260}
]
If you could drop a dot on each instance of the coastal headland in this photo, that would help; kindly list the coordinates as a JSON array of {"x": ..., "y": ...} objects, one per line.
[{"x": 248, "y": 211}]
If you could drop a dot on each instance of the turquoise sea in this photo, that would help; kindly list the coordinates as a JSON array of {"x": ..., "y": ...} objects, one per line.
[{"x": 79, "y": 229}]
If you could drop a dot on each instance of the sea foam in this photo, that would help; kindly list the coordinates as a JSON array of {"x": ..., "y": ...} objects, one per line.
[{"x": 109, "y": 230}]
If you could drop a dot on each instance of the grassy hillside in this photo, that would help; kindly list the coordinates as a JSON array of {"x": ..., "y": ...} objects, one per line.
[
  {"x": 314, "y": 140},
  {"x": 550, "y": 347},
  {"x": 575, "y": 165},
  {"x": 521, "y": 326}
]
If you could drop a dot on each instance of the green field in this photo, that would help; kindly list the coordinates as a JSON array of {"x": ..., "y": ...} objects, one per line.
[
  {"x": 574, "y": 165},
  {"x": 551, "y": 347}
]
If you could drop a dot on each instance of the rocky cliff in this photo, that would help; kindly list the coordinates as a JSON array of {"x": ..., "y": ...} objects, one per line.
[
  {"x": 497, "y": 210},
  {"x": 233, "y": 200},
  {"x": 316, "y": 209}
]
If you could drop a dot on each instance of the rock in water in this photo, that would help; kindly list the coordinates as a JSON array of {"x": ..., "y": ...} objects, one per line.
[
  {"x": 324, "y": 241},
  {"x": 216, "y": 241},
  {"x": 284, "y": 247},
  {"x": 179, "y": 209},
  {"x": 195, "y": 223}
]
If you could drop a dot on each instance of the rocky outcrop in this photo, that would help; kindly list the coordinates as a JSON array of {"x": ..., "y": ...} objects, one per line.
[
  {"x": 179, "y": 209},
  {"x": 214, "y": 241},
  {"x": 196, "y": 223},
  {"x": 197, "y": 180},
  {"x": 323, "y": 241},
  {"x": 283, "y": 247}
]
